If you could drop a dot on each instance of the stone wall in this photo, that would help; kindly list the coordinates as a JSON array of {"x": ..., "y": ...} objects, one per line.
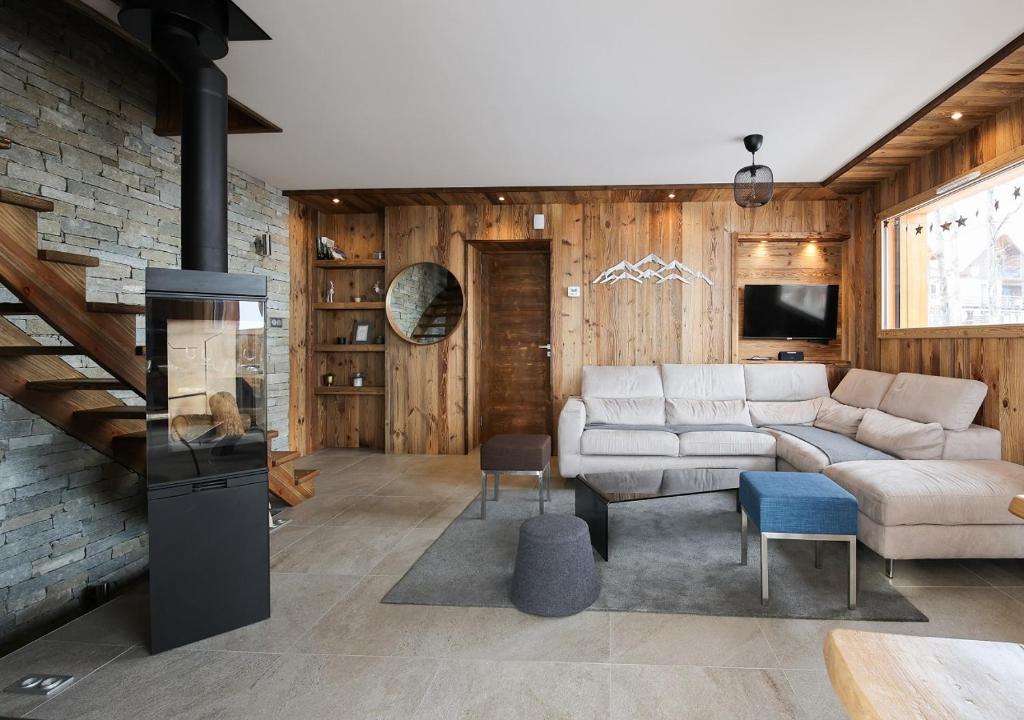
[
  {"x": 417, "y": 288},
  {"x": 79, "y": 104}
]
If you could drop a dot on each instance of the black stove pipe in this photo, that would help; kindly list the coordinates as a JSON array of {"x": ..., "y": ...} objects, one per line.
[{"x": 204, "y": 152}]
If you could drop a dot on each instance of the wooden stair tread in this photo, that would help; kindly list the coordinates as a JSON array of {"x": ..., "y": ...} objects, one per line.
[
  {"x": 69, "y": 258},
  {"x": 280, "y": 457},
  {"x": 272, "y": 435},
  {"x": 23, "y": 350},
  {"x": 31, "y": 202},
  {"x": 109, "y": 307},
  {"x": 15, "y": 308},
  {"x": 81, "y": 383},
  {"x": 133, "y": 437},
  {"x": 114, "y": 411},
  {"x": 304, "y": 476}
]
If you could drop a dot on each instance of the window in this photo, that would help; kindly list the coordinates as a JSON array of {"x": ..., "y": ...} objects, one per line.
[{"x": 957, "y": 260}]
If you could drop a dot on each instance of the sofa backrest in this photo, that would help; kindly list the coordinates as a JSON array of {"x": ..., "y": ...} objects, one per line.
[
  {"x": 704, "y": 395},
  {"x": 863, "y": 388},
  {"x": 785, "y": 382},
  {"x": 624, "y": 394},
  {"x": 951, "y": 402}
]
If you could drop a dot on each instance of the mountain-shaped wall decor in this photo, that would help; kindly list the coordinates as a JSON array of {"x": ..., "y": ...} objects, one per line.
[{"x": 651, "y": 267}]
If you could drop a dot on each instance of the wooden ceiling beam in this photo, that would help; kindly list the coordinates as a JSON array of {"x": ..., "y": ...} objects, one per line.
[{"x": 994, "y": 84}]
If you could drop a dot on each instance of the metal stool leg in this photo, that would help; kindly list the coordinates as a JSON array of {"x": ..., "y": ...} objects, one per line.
[
  {"x": 743, "y": 537},
  {"x": 547, "y": 479},
  {"x": 483, "y": 495},
  {"x": 540, "y": 490},
  {"x": 497, "y": 484},
  {"x": 853, "y": 573},
  {"x": 764, "y": 569},
  {"x": 890, "y": 568}
]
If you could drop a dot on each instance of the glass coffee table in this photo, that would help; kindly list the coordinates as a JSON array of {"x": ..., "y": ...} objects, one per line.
[{"x": 596, "y": 491}]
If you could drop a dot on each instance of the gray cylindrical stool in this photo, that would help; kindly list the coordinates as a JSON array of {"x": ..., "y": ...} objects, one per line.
[{"x": 555, "y": 573}]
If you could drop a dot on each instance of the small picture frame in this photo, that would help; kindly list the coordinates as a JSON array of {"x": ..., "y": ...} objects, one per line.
[{"x": 362, "y": 332}]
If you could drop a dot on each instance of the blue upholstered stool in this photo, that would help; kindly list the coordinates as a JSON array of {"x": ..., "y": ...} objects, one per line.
[{"x": 797, "y": 506}]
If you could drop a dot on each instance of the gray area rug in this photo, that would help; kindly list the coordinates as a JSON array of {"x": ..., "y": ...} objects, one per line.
[{"x": 676, "y": 555}]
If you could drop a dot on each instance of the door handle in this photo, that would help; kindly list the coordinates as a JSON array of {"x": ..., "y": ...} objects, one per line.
[{"x": 545, "y": 347}]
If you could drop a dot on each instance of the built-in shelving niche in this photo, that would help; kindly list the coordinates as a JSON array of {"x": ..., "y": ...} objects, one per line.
[{"x": 348, "y": 416}]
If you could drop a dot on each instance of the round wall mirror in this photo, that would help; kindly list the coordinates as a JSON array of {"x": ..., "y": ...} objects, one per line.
[{"x": 425, "y": 303}]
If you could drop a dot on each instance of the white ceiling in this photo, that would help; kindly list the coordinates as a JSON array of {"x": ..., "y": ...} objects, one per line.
[{"x": 411, "y": 93}]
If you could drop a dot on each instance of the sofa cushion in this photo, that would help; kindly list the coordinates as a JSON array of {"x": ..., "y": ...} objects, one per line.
[
  {"x": 625, "y": 411},
  {"x": 622, "y": 381},
  {"x": 785, "y": 381},
  {"x": 800, "y": 454},
  {"x": 797, "y": 412},
  {"x": 706, "y": 412},
  {"x": 903, "y": 438},
  {"x": 951, "y": 402},
  {"x": 629, "y": 442},
  {"x": 726, "y": 442},
  {"x": 863, "y": 388},
  {"x": 833, "y": 446},
  {"x": 703, "y": 382},
  {"x": 932, "y": 492},
  {"x": 974, "y": 443},
  {"x": 839, "y": 418},
  {"x": 623, "y": 395}
]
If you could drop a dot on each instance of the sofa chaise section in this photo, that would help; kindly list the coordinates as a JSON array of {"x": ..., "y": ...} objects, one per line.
[{"x": 936, "y": 508}]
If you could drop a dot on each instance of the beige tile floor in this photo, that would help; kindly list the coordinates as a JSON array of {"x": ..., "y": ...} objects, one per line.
[{"x": 332, "y": 650}]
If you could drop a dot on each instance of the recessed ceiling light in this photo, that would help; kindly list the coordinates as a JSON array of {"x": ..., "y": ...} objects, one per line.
[
  {"x": 335, "y": 200},
  {"x": 956, "y": 116},
  {"x": 672, "y": 196},
  {"x": 501, "y": 198}
]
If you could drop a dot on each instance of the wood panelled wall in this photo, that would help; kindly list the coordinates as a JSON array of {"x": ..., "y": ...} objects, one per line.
[
  {"x": 996, "y": 361},
  {"x": 431, "y": 404}
]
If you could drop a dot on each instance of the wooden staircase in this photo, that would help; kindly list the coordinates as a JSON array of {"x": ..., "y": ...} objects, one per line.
[
  {"x": 51, "y": 285},
  {"x": 441, "y": 315}
]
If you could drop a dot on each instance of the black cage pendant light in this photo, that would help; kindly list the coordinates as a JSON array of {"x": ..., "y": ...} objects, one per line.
[{"x": 754, "y": 184}]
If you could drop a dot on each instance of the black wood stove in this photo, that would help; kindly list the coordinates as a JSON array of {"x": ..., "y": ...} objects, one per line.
[{"x": 206, "y": 442}]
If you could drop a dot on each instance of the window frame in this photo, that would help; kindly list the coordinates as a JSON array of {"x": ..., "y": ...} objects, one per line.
[{"x": 888, "y": 254}]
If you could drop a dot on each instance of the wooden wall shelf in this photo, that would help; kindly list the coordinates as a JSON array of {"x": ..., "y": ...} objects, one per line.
[
  {"x": 350, "y": 348},
  {"x": 349, "y": 306},
  {"x": 356, "y": 264},
  {"x": 349, "y": 390}
]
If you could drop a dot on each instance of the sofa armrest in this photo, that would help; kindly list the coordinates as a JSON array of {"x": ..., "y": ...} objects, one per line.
[
  {"x": 571, "y": 422},
  {"x": 974, "y": 443}
]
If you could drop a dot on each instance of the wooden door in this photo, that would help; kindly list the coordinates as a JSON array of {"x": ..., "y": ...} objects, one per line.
[{"x": 515, "y": 367}]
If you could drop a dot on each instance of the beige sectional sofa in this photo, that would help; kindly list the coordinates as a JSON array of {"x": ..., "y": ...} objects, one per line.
[{"x": 929, "y": 481}]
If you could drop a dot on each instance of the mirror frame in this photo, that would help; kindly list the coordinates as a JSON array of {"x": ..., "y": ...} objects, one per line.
[{"x": 394, "y": 325}]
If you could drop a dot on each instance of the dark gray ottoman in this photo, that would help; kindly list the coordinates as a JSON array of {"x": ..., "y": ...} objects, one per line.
[{"x": 555, "y": 573}]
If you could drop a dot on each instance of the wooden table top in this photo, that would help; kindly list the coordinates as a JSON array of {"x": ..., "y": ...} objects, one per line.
[
  {"x": 895, "y": 677},
  {"x": 1017, "y": 506}
]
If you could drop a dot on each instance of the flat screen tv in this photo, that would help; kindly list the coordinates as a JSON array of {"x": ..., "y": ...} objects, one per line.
[{"x": 791, "y": 312}]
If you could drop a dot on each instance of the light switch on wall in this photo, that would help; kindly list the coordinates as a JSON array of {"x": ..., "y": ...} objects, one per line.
[
  {"x": 538, "y": 222},
  {"x": 574, "y": 291}
]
